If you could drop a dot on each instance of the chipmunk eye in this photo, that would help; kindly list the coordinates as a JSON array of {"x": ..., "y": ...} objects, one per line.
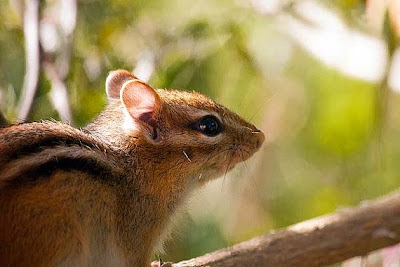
[{"x": 209, "y": 125}]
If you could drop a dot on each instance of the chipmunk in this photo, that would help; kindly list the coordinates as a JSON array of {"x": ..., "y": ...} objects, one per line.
[{"x": 105, "y": 194}]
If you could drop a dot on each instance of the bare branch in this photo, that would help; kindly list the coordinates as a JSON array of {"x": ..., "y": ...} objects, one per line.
[
  {"x": 59, "y": 92},
  {"x": 57, "y": 58},
  {"x": 32, "y": 51},
  {"x": 317, "y": 242}
]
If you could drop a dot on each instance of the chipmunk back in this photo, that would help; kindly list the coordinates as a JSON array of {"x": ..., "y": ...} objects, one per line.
[{"x": 104, "y": 195}]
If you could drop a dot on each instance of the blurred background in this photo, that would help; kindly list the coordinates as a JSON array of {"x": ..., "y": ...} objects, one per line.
[{"x": 321, "y": 78}]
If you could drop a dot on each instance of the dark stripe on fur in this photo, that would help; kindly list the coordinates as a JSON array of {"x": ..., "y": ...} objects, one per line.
[
  {"x": 86, "y": 165},
  {"x": 48, "y": 142},
  {"x": 39, "y": 141}
]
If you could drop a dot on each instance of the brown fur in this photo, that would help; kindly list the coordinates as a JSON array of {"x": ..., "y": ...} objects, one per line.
[{"x": 104, "y": 195}]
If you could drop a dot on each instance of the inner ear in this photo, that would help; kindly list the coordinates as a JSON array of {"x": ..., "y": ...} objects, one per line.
[
  {"x": 141, "y": 101},
  {"x": 115, "y": 81}
]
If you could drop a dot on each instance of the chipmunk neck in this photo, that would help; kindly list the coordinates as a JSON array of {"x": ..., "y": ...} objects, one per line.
[
  {"x": 108, "y": 127},
  {"x": 164, "y": 175}
]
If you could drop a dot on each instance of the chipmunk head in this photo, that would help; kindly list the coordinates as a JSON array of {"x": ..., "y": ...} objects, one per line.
[{"x": 186, "y": 130}]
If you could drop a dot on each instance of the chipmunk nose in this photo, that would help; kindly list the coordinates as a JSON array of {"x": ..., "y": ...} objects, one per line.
[{"x": 260, "y": 138}]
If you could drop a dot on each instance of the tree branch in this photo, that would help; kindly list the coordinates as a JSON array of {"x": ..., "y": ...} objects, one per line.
[
  {"x": 59, "y": 92},
  {"x": 56, "y": 59},
  {"x": 32, "y": 51},
  {"x": 320, "y": 241}
]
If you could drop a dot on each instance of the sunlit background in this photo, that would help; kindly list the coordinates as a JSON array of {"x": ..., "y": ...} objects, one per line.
[{"x": 320, "y": 78}]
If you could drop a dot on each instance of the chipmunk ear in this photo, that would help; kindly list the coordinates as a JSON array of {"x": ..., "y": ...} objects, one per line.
[
  {"x": 115, "y": 81},
  {"x": 140, "y": 100}
]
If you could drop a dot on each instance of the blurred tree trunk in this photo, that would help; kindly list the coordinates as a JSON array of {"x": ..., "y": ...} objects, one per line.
[
  {"x": 3, "y": 121},
  {"x": 32, "y": 55},
  {"x": 56, "y": 60},
  {"x": 43, "y": 52}
]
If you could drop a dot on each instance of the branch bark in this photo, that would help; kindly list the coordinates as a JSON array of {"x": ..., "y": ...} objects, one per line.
[{"x": 320, "y": 241}]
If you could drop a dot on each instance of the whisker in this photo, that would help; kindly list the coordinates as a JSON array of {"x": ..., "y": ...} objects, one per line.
[
  {"x": 242, "y": 100},
  {"x": 226, "y": 171},
  {"x": 252, "y": 131},
  {"x": 259, "y": 109},
  {"x": 251, "y": 176},
  {"x": 210, "y": 156},
  {"x": 186, "y": 155},
  {"x": 256, "y": 113},
  {"x": 204, "y": 164}
]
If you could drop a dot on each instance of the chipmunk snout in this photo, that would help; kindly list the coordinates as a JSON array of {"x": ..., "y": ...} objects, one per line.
[
  {"x": 249, "y": 142},
  {"x": 259, "y": 138},
  {"x": 253, "y": 138}
]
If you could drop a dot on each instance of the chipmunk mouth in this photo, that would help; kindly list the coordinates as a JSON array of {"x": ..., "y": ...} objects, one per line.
[
  {"x": 239, "y": 153},
  {"x": 236, "y": 153}
]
